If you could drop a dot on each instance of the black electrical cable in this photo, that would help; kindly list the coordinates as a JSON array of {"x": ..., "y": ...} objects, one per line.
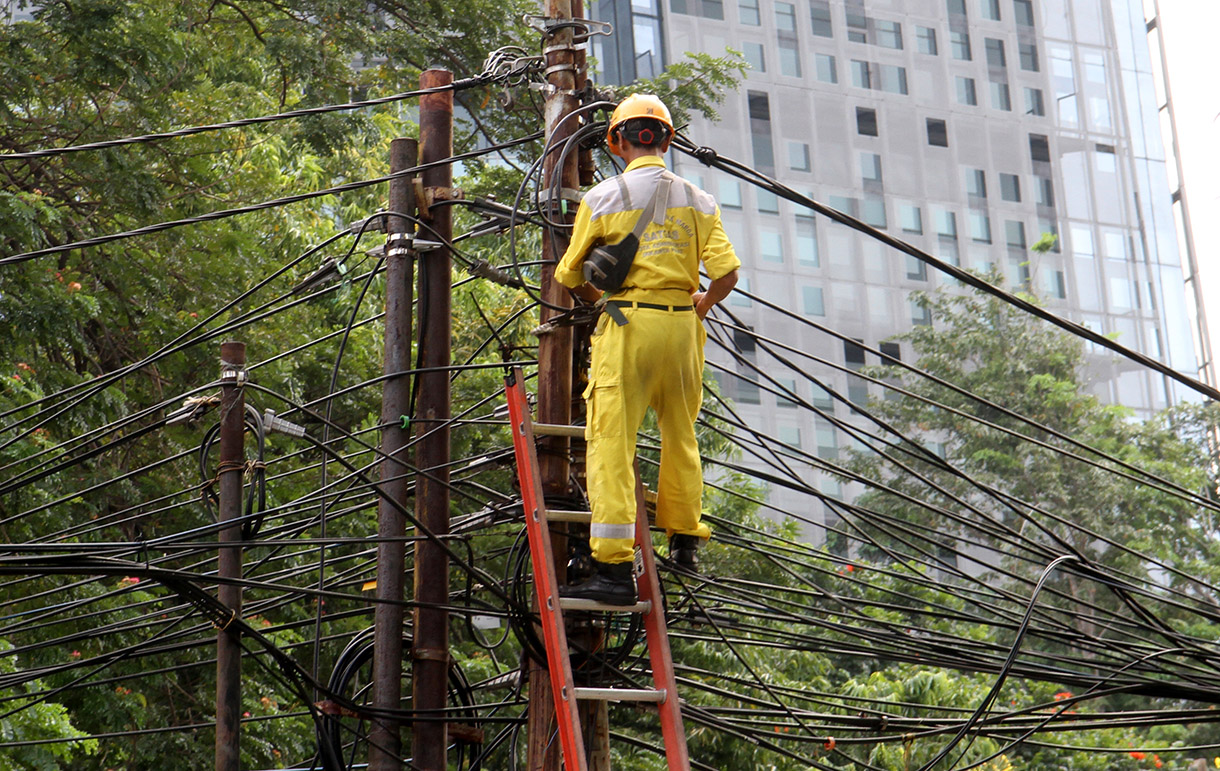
[
  {"x": 457, "y": 85},
  {"x": 271, "y": 204}
]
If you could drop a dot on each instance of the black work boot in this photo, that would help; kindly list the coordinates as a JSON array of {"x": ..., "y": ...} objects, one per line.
[
  {"x": 683, "y": 551},
  {"x": 613, "y": 584}
]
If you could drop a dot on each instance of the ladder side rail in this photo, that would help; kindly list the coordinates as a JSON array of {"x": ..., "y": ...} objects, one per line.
[
  {"x": 657, "y": 633},
  {"x": 545, "y": 581}
]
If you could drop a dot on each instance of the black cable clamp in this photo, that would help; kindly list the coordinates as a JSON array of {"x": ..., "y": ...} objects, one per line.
[{"x": 705, "y": 155}]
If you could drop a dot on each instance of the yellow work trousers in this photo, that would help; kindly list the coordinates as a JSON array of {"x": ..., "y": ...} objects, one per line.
[{"x": 655, "y": 360}]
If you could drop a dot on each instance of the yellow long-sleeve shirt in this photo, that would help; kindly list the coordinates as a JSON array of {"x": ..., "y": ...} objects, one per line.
[{"x": 669, "y": 254}]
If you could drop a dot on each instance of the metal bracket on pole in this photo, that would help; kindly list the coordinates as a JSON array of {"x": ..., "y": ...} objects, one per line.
[{"x": 586, "y": 28}]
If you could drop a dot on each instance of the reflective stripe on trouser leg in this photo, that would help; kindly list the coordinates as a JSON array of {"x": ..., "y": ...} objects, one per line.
[{"x": 655, "y": 360}]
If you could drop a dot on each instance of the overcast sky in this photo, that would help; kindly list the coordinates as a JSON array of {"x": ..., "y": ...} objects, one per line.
[{"x": 1189, "y": 27}]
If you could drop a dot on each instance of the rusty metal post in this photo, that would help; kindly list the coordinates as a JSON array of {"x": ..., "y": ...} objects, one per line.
[
  {"x": 230, "y": 475},
  {"x": 555, "y": 348},
  {"x": 430, "y": 654},
  {"x": 385, "y": 739}
]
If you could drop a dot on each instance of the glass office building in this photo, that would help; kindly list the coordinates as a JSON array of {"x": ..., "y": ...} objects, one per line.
[{"x": 968, "y": 128}]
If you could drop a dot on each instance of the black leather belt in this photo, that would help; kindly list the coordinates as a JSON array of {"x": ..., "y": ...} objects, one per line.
[{"x": 653, "y": 306}]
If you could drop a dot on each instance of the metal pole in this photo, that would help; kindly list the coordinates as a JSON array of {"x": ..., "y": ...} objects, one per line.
[
  {"x": 430, "y": 654},
  {"x": 555, "y": 348},
  {"x": 229, "y": 481},
  {"x": 385, "y": 740}
]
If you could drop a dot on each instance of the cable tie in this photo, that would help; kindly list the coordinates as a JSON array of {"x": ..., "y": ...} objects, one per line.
[
  {"x": 406, "y": 421},
  {"x": 254, "y": 465}
]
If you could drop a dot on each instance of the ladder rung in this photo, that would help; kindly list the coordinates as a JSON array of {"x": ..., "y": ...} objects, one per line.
[
  {"x": 582, "y": 517},
  {"x": 558, "y": 429},
  {"x": 620, "y": 694},
  {"x": 576, "y": 603}
]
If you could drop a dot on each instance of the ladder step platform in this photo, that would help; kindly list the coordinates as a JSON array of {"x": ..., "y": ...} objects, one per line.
[
  {"x": 550, "y": 605},
  {"x": 578, "y": 517},
  {"x": 576, "y": 603},
  {"x": 620, "y": 694}
]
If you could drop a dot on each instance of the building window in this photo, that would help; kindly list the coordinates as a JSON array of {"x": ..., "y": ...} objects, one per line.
[
  {"x": 827, "y": 72},
  {"x": 853, "y": 354},
  {"x": 828, "y": 449},
  {"x": 911, "y": 217},
  {"x": 956, "y": 7},
  {"x": 861, "y": 75},
  {"x": 807, "y": 246},
  {"x": 789, "y": 58},
  {"x": 857, "y": 27},
  {"x": 1010, "y": 187},
  {"x": 786, "y": 386},
  {"x": 815, "y": 304},
  {"x": 990, "y": 9},
  {"x": 747, "y": 390},
  {"x": 708, "y": 9},
  {"x": 870, "y": 167},
  {"x": 768, "y": 202},
  {"x": 819, "y": 13},
  {"x": 894, "y": 79},
  {"x": 872, "y": 211},
  {"x": 1033, "y": 101},
  {"x": 785, "y": 17},
  {"x": 866, "y": 121},
  {"x": 790, "y": 435},
  {"x": 976, "y": 183},
  {"x": 888, "y": 34},
  {"x": 1014, "y": 233},
  {"x": 946, "y": 224},
  {"x": 760, "y": 130},
  {"x": 1000, "y": 97},
  {"x": 938, "y": 134},
  {"x": 1056, "y": 284},
  {"x": 770, "y": 246},
  {"x": 925, "y": 40},
  {"x": 730, "y": 194},
  {"x": 965, "y": 91},
  {"x": 1024, "y": 11},
  {"x": 798, "y": 156},
  {"x": 748, "y": 12},
  {"x": 1028, "y": 53},
  {"x": 1046, "y": 191},
  {"x": 921, "y": 315},
  {"x": 1039, "y": 148},
  {"x": 980, "y": 228},
  {"x": 959, "y": 45},
  {"x": 995, "y": 52},
  {"x": 891, "y": 354},
  {"x": 916, "y": 270},
  {"x": 754, "y": 56}
]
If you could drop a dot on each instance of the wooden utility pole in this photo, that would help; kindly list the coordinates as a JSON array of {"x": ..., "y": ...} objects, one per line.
[
  {"x": 430, "y": 653},
  {"x": 385, "y": 738},
  {"x": 230, "y": 475},
  {"x": 565, "y": 75}
]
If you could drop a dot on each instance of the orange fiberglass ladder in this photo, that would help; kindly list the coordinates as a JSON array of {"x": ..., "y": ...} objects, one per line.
[{"x": 551, "y": 606}]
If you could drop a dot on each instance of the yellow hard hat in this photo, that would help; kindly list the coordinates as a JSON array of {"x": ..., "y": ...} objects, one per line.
[{"x": 637, "y": 106}]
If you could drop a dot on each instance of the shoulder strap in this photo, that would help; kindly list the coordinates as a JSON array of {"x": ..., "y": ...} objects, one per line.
[{"x": 655, "y": 210}]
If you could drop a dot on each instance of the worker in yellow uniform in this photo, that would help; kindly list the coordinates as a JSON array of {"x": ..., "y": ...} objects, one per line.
[{"x": 647, "y": 349}]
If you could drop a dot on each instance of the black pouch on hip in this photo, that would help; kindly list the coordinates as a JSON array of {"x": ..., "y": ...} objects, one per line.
[{"x": 606, "y": 266}]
